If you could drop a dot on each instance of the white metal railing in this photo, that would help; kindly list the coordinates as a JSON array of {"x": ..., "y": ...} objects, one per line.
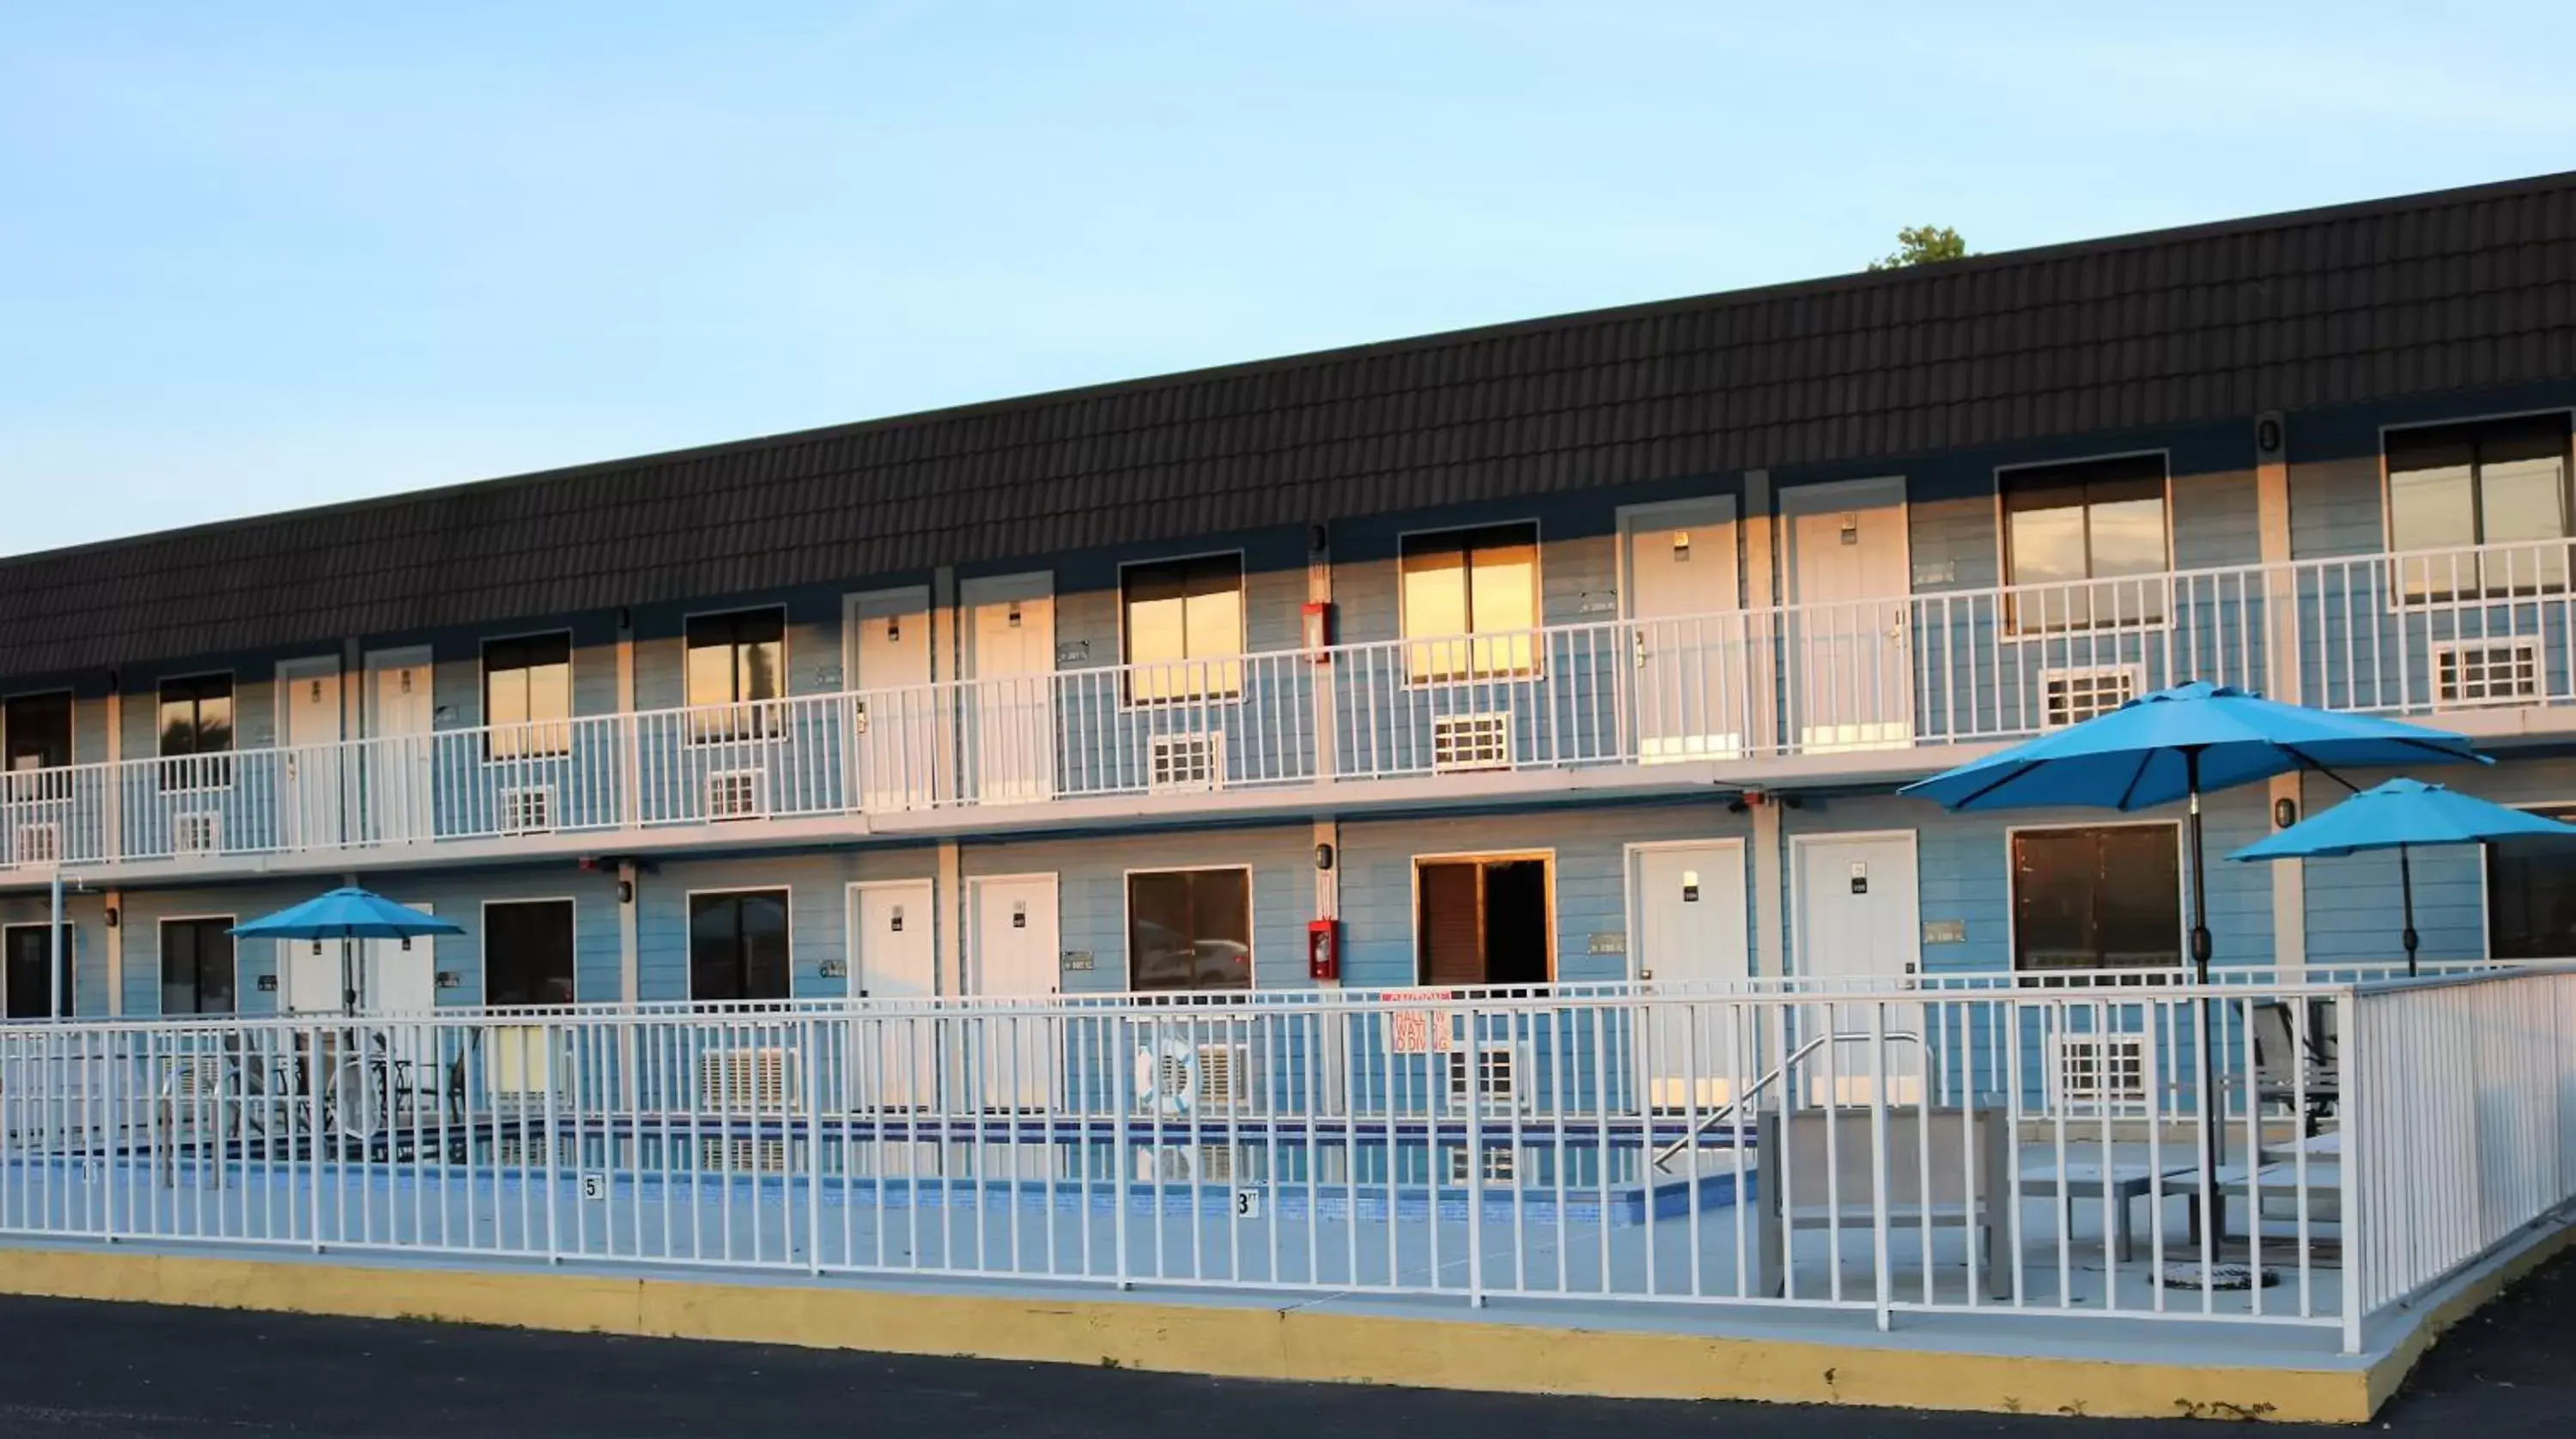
[
  {"x": 2465, "y": 1130},
  {"x": 2407, "y": 634},
  {"x": 2073, "y": 1151}
]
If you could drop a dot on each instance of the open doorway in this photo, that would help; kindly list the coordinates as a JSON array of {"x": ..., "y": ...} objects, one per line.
[{"x": 1484, "y": 919}]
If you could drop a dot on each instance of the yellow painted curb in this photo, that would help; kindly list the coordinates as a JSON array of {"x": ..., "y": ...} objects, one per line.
[
  {"x": 1308, "y": 1343},
  {"x": 2392, "y": 1369}
]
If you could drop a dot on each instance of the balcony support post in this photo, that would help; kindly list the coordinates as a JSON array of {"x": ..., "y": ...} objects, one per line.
[
  {"x": 948, "y": 897},
  {"x": 111, "y": 818},
  {"x": 115, "y": 954},
  {"x": 1319, "y": 591},
  {"x": 2282, "y": 677},
  {"x": 1761, "y": 615},
  {"x": 630, "y": 965},
  {"x": 630, "y": 769},
  {"x": 1770, "y": 929}
]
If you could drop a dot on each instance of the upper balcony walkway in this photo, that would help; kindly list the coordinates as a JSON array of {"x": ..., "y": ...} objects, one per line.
[{"x": 1864, "y": 691}]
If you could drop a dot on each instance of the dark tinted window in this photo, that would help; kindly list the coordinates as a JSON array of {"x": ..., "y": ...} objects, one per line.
[
  {"x": 2455, "y": 486},
  {"x": 24, "y": 967},
  {"x": 2096, "y": 520},
  {"x": 37, "y": 730},
  {"x": 1190, "y": 929},
  {"x": 528, "y": 952},
  {"x": 2105, "y": 898},
  {"x": 1471, "y": 583},
  {"x": 738, "y": 945},
  {"x": 737, "y": 657},
  {"x": 2531, "y": 897},
  {"x": 1184, "y": 624},
  {"x": 526, "y": 682},
  {"x": 196, "y": 966},
  {"x": 197, "y": 715}
]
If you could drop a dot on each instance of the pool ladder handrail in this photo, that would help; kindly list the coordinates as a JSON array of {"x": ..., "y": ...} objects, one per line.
[{"x": 1664, "y": 1156}]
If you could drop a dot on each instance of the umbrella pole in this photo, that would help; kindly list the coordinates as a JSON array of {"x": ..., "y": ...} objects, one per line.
[
  {"x": 2406, "y": 887},
  {"x": 2212, "y": 1145}
]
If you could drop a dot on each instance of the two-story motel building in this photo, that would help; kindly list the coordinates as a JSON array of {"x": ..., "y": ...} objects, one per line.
[{"x": 1584, "y": 648}]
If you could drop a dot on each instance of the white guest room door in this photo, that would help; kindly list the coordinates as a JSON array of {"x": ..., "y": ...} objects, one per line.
[
  {"x": 894, "y": 956},
  {"x": 399, "y": 719},
  {"x": 894, "y": 721},
  {"x": 1850, "y": 631},
  {"x": 1690, "y": 939},
  {"x": 308, "y": 725},
  {"x": 1687, "y": 640},
  {"x": 1859, "y": 925},
  {"x": 1011, "y": 633},
  {"x": 1012, "y": 952}
]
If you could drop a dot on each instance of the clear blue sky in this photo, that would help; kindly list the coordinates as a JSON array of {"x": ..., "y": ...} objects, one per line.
[{"x": 259, "y": 255}]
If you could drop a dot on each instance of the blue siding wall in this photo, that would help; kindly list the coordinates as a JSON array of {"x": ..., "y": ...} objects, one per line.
[
  {"x": 1091, "y": 893},
  {"x": 818, "y": 909},
  {"x": 143, "y": 910},
  {"x": 1578, "y": 568},
  {"x": 2336, "y": 497},
  {"x": 1965, "y": 869},
  {"x": 1087, "y": 620},
  {"x": 254, "y": 695},
  {"x": 458, "y": 658},
  {"x": 1954, "y": 528},
  {"x": 813, "y": 647},
  {"x": 456, "y": 895},
  {"x": 1591, "y": 877},
  {"x": 2354, "y": 906},
  {"x": 86, "y": 914}
]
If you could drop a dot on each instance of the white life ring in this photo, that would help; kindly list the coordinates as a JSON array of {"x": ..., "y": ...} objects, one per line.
[{"x": 1167, "y": 1077}]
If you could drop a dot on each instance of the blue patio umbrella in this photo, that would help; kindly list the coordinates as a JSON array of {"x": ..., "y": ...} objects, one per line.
[
  {"x": 2177, "y": 744},
  {"x": 2173, "y": 745},
  {"x": 348, "y": 913},
  {"x": 2399, "y": 815}
]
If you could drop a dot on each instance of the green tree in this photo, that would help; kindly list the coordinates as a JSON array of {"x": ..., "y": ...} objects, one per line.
[{"x": 1923, "y": 245}]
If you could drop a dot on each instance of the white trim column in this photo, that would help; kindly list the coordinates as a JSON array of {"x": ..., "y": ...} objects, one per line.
[
  {"x": 630, "y": 962},
  {"x": 112, "y": 822},
  {"x": 631, "y": 774},
  {"x": 1758, "y": 526},
  {"x": 2282, "y": 678},
  {"x": 1770, "y": 907},
  {"x": 116, "y": 956},
  {"x": 948, "y": 902}
]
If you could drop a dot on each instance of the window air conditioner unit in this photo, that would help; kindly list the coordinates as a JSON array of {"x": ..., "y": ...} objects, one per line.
[
  {"x": 736, "y": 794},
  {"x": 1497, "y": 1070},
  {"x": 2475, "y": 672},
  {"x": 1177, "y": 1077},
  {"x": 2072, "y": 696},
  {"x": 197, "y": 832},
  {"x": 528, "y": 810},
  {"x": 1471, "y": 742},
  {"x": 36, "y": 844},
  {"x": 2095, "y": 1072},
  {"x": 1188, "y": 763},
  {"x": 738, "y": 1081}
]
